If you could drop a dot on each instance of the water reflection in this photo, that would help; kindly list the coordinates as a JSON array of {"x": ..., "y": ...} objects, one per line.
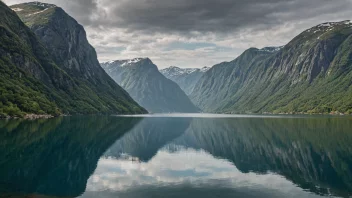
[
  {"x": 148, "y": 137},
  {"x": 314, "y": 153},
  {"x": 57, "y": 156},
  {"x": 175, "y": 157}
]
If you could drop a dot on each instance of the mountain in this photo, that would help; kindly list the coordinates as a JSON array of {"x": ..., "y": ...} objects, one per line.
[
  {"x": 54, "y": 71},
  {"x": 186, "y": 78},
  {"x": 310, "y": 74},
  {"x": 143, "y": 81}
]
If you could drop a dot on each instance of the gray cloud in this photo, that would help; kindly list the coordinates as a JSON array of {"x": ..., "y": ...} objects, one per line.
[
  {"x": 82, "y": 10},
  {"x": 129, "y": 28},
  {"x": 197, "y": 15},
  {"x": 211, "y": 15}
]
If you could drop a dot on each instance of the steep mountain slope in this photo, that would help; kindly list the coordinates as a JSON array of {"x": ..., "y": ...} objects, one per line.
[
  {"x": 27, "y": 74},
  {"x": 186, "y": 78},
  {"x": 312, "y": 73},
  {"x": 223, "y": 80},
  {"x": 143, "y": 81},
  {"x": 64, "y": 77}
]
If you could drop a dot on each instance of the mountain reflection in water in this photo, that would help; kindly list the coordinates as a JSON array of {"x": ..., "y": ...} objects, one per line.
[{"x": 104, "y": 156}]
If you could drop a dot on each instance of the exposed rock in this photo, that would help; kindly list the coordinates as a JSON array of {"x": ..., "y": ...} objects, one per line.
[{"x": 35, "y": 116}]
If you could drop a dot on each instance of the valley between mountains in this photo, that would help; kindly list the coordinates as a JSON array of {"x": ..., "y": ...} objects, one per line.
[{"x": 48, "y": 67}]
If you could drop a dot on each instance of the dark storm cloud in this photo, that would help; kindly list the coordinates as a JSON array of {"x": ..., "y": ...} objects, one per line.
[
  {"x": 82, "y": 10},
  {"x": 213, "y": 15}
]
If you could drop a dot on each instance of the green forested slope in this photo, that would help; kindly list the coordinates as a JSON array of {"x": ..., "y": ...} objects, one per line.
[
  {"x": 31, "y": 82},
  {"x": 311, "y": 74}
]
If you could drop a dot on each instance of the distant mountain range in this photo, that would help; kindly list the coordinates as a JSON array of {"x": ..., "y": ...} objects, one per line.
[
  {"x": 50, "y": 68},
  {"x": 186, "y": 78},
  {"x": 143, "y": 81}
]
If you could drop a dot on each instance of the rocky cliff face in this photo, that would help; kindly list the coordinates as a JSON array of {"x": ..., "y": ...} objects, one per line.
[
  {"x": 63, "y": 37},
  {"x": 143, "y": 81},
  {"x": 186, "y": 78},
  {"x": 310, "y": 74},
  {"x": 80, "y": 84}
]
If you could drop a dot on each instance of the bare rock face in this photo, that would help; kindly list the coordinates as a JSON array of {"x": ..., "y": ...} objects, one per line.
[{"x": 63, "y": 37}]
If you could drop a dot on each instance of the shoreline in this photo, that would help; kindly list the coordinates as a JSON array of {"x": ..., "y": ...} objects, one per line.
[
  {"x": 29, "y": 117},
  {"x": 47, "y": 116}
]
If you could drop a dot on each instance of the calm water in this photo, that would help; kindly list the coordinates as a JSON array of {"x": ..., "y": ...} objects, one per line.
[{"x": 134, "y": 157}]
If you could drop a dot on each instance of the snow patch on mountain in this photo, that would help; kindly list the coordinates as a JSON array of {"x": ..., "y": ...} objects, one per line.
[
  {"x": 271, "y": 49},
  {"x": 17, "y": 9},
  {"x": 329, "y": 26},
  {"x": 131, "y": 61},
  {"x": 37, "y": 12},
  {"x": 204, "y": 69},
  {"x": 40, "y": 4}
]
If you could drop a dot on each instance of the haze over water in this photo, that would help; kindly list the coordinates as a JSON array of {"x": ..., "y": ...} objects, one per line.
[{"x": 177, "y": 156}]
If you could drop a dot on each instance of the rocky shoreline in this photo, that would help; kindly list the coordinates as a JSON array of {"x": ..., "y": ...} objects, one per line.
[
  {"x": 29, "y": 117},
  {"x": 35, "y": 116}
]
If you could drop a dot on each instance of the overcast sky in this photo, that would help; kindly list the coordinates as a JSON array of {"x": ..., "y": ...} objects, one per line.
[{"x": 195, "y": 33}]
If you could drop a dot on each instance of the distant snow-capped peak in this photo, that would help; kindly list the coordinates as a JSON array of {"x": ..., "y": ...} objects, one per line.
[
  {"x": 131, "y": 61},
  {"x": 176, "y": 71},
  {"x": 123, "y": 63},
  {"x": 204, "y": 69}
]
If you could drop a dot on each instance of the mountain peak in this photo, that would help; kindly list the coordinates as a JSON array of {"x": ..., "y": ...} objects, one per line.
[
  {"x": 173, "y": 67},
  {"x": 127, "y": 62},
  {"x": 177, "y": 71},
  {"x": 186, "y": 78},
  {"x": 32, "y": 8},
  {"x": 328, "y": 26},
  {"x": 205, "y": 69},
  {"x": 36, "y": 13},
  {"x": 131, "y": 61}
]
